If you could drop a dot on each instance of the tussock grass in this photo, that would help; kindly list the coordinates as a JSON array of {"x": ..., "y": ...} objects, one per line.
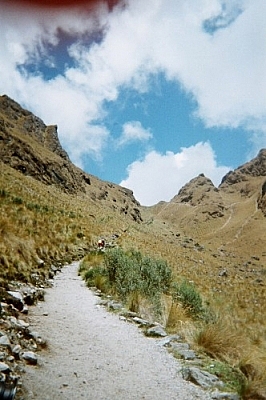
[
  {"x": 178, "y": 317},
  {"x": 253, "y": 367},
  {"x": 220, "y": 340},
  {"x": 235, "y": 352}
]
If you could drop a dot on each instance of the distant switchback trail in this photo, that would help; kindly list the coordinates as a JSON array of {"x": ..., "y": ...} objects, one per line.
[{"x": 93, "y": 355}]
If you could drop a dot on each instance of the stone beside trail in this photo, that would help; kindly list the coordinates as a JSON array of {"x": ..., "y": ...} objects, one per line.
[{"x": 94, "y": 355}]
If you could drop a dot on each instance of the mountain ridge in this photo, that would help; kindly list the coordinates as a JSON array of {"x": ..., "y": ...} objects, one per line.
[
  {"x": 52, "y": 213},
  {"x": 34, "y": 149},
  {"x": 199, "y": 210}
]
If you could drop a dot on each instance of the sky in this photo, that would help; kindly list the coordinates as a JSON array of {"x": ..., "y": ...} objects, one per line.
[{"x": 146, "y": 94}]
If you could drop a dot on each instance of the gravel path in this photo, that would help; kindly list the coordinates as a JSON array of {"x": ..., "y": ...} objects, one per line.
[{"x": 94, "y": 355}]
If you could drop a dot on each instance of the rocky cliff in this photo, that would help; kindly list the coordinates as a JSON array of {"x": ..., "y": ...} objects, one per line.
[
  {"x": 32, "y": 148},
  {"x": 246, "y": 181},
  {"x": 249, "y": 179}
]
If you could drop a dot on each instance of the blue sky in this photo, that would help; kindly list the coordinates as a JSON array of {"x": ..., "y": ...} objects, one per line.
[{"x": 148, "y": 94}]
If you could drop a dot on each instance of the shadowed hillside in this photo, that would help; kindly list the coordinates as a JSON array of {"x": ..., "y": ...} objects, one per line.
[{"x": 32, "y": 148}]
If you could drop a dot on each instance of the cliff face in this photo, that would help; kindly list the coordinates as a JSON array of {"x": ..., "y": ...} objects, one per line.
[
  {"x": 32, "y": 148},
  {"x": 253, "y": 168},
  {"x": 14, "y": 117},
  {"x": 248, "y": 180}
]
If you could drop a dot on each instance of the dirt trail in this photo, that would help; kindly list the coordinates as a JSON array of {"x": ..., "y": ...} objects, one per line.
[{"x": 94, "y": 355}]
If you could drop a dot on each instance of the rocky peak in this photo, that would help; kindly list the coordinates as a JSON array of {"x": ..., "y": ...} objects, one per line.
[
  {"x": 201, "y": 192},
  {"x": 248, "y": 180},
  {"x": 196, "y": 191},
  {"x": 13, "y": 116},
  {"x": 33, "y": 149},
  {"x": 253, "y": 168}
]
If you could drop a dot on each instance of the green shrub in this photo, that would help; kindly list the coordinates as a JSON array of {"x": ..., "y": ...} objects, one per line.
[
  {"x": 128, "y": 275},
  {"x": 17, "y": 200},
  {"x": 186, "y": 294},
  {"x": 131, "y": 272},
  {"x": 91, "y": 273},
  {"x": 231, "y": 376}
]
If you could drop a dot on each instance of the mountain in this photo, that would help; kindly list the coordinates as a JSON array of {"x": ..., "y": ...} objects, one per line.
[
  {"x": 249, "y": 179},
  {"x": 33, "y": 149},
  {"x": 200, "y": 191},
  {"x": 230, "y": 217},
  {"x": 52, "y": 213},
  {"x": 37, "y": 177}
]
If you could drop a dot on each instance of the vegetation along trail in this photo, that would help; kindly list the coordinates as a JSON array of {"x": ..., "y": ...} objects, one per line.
[{"x": 92, "y": 354}]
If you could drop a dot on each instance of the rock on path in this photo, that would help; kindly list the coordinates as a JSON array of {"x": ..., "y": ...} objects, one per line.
[{"x": 93, "y": 355}]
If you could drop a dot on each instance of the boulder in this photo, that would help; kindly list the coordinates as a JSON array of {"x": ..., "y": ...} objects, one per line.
[
  {"x": 4, "y": 341},
  {"x": 30, "y": 357},
  {"x": 156, "y": 331},
  {"x": 225, "y": 396},
  {"x": 15, "y": 298},
  {"x": 141, "y": 322},
  {"x": 4, "y": 368},
  {"x": 201, "y": 378}
]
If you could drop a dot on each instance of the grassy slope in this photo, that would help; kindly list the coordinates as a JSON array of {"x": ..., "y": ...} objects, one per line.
[
  {"x": 229, "y": 265},
  {"x": 42, "y": 222},
  {"x": 224, "y": 257}
]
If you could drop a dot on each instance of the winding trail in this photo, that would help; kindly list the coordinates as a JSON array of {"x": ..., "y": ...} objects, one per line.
[{"x": 94, "y": 355}]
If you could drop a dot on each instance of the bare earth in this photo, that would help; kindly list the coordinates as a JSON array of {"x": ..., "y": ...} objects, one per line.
[{"x": 94, "y": 355}]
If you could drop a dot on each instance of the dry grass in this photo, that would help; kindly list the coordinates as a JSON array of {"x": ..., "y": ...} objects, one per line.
[
  {"x": 221, "y": 340},
  {"x": 40, "y": 222},
  {"x": 178, "y": 318},
  {"x": 253, "y": 366}
]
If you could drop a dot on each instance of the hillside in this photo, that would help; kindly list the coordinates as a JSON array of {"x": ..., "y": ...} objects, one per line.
[
  {"x": 32, "y": 148},
  {"x": 53, "y": 212},
  {"x": 231, "y": 216},
  {"x": 227, "y": 222}
]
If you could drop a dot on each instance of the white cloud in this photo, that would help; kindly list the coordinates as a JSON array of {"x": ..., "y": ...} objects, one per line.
[
  {"x": 133, "y": 131},
  {"x": 223, "y": 71},
  {"x": 26, "y": 38},
  {"x": 160, "y": 176}
]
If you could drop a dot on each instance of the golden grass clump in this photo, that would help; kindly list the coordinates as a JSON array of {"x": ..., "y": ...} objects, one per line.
[
  {"x": 39, "y": 223},
  {"x": 177, "y": 319},
  {"x": 221, "y": 340},
  {"x": 135, "y": 301},
  {"x": 253, "y": 367}
]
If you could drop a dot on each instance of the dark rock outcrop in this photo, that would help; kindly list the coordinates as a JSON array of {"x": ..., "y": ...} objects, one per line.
[
  {"x": 30, "y": 125},
  {"x": 247, "y": 178},
  {"x": 262, "y": 199},
  {"x": 200, "y": 191},
  {"x": 196, "y": 192},
  {"x": 34, "y": 149},
  {"x": 254, "y": 168},
  {"x": 31, "y": 147}
]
